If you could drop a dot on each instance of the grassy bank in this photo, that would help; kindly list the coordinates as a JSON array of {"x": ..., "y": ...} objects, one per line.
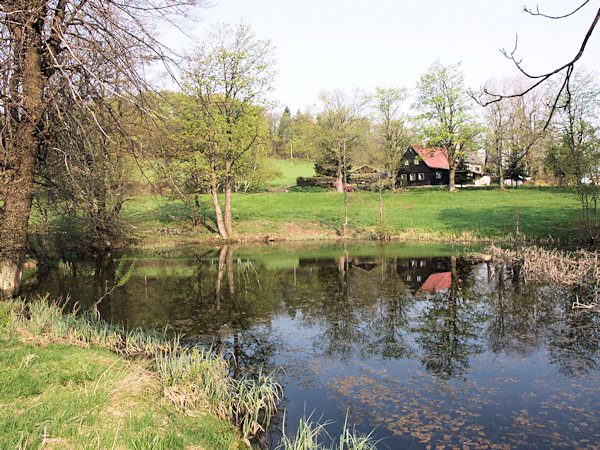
[
  {"x": 528, "y": 213},
  {"x": 72, "y": 380}
]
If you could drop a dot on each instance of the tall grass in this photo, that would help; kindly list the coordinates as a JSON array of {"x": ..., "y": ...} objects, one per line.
[
  {"x": 311, "y": 435},
  {"x": 195, "y": 380}
]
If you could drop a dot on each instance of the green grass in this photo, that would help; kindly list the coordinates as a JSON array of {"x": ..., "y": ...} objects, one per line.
[
  {"x": 62, "y": 376},
  {"x": 290, "y": 170},
  {"x": 535, "y": 213},
  {"x": 63, "y": 396}
]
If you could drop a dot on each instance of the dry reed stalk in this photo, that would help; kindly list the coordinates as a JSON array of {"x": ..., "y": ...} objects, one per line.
[{"x": 555, "y": 266}]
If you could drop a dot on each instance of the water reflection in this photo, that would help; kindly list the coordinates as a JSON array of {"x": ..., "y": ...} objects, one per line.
[{"x": 428, "y": 346}]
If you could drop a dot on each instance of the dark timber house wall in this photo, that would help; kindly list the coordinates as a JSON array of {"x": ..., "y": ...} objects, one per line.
[{"x": 424, "y": 166}]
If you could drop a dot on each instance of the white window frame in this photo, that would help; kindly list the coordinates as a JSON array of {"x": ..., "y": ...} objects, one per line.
[
  {"x": 421, "y": 176},
  {"x": 438, "y": 175},
  {"x": 412, "y": 177}
]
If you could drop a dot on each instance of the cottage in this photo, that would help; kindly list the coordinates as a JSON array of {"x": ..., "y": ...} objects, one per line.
[
  {"x": 424, "y": 167},
  {"x": 429, "y": 167}
]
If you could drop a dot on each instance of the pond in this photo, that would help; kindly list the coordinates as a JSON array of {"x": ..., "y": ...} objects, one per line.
[{"x": 421, "y": 345}]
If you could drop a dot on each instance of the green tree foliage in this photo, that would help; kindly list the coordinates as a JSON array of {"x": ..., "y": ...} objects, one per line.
[
  {"x": 445, "y": 118},
  {"x": 575, "y": 153},
  {"x": 226, "y": 80},
  {"x": 392, "y": 135},
  {"x": 295, "y": 136}
]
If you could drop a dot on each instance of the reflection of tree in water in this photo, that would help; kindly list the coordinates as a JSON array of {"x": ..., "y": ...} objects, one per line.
[
  {"x": 389, "y": 323},
  {"x": 248, "y": 347},
  {"x": 519, "y": 316},
  {"x": 363, "y": 311},
  {"x": 449, "y": 327}
]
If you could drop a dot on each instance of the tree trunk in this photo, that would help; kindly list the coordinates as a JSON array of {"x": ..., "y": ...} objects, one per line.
[
  {"x": 15, "y": 218},
  {"x": 452, "y": 186},
  {"x": 228, "y": 169},
  {"x": 18, "y": 168},
  {"x": 228, "y": 219},
  {"x": 217, "y": 205},
  {"x": 345, "y": 195},
  {"x": 381, "y": 230},
  {"x": 501, "y": 174},
  {"x": 339, "y": 181}
]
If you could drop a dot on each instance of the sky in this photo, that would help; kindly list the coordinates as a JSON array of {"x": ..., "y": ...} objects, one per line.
[{"x": 321, "y": 45}]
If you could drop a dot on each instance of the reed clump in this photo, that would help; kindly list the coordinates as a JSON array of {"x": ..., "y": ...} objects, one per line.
[
  {"x": 554, "y": 266},
  {"x": 311, "y": 433},
  {"x": 194, "y": 379}
]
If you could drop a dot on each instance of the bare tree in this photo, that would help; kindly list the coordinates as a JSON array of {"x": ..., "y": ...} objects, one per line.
[
  {"x": 341, "y": 132},
  {"x": 51, "y": 50},
  {"x": 392, "y": 134},
  {"x": 563, "y": 93}
]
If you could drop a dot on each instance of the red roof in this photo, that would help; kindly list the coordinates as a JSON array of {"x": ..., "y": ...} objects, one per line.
[
  {"x": 437, "y": 282},
  {"x": 435, "y": 158}
]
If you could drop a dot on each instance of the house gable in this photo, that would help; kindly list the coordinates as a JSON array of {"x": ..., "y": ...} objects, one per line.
[{"x": 423, "y": 167}]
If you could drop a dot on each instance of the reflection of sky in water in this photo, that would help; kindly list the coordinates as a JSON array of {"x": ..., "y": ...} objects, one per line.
[
  {"x": 482, "y": 359},
  {"x": 504, "y": 400}
]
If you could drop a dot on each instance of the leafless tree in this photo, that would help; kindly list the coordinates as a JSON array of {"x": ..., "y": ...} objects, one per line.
[
  {"x": 50, "y": 51},
  {"x": 562, "y": 96}
]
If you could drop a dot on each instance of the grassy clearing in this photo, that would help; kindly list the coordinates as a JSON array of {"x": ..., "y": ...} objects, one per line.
[
  {"x": 470, "y": 214},
  {"x": 290, "y": 170}
]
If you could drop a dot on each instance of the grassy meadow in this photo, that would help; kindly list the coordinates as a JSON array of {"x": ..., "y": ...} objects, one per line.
[
  {"x": 533, "y": 213},
  {"x": 290, "y": 170}
]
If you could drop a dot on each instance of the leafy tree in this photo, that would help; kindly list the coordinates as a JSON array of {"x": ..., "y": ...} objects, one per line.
[
  {"x": 515, "y": 168},
  {"x": 446, "y": 120},
  {"x": 391, "y": 133},
  {"x": 340, "y": 132},
  {"x": 227, "y": 79}
]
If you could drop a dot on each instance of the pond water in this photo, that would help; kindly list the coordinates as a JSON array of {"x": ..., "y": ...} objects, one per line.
[{"x": 420, "y": 345}]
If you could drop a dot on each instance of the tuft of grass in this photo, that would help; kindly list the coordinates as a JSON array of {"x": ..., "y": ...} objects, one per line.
[{"x": 312, "y": 433}]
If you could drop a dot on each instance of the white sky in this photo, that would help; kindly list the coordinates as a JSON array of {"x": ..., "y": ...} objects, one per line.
[{"x": 327, "y": 44}]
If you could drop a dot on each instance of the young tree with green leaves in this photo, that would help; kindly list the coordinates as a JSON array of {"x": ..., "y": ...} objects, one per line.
[
  {"x": 227, "y": 78},
  {"x": 445, "y": 117},
  {"x": 391, "y": 132}
]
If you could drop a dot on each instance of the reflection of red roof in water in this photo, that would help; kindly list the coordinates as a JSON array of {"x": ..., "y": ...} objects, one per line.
[
  {"x": 437, "y": 282},
  {"x": 435, "y": 158}
]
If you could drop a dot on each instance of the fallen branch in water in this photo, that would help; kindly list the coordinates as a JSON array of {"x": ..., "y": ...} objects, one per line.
[{"x": 577, "y": 305}]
